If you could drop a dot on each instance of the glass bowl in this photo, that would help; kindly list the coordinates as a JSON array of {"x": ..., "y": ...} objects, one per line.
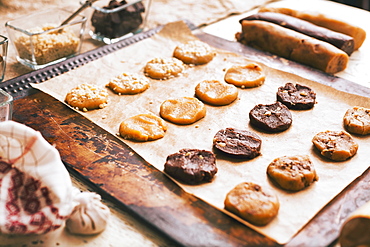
[
  {"x": 40, "y": 41},
  {"x": 3, "y": 54},
  {"x": 116, "y": 20},
  {"x": 6, "y": 106}
]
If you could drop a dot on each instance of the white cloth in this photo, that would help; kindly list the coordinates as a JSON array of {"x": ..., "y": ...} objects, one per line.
[{"x": 36, "y": 192}]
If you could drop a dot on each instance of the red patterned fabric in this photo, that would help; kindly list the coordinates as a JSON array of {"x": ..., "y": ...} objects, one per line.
[{"x": 36, "y": 193}]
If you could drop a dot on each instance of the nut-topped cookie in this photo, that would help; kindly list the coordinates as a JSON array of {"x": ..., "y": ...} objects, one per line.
[{"x": 252, "y": 203}]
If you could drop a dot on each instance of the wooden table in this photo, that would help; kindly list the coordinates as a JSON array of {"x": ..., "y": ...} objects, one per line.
[{"x": 127, "y": 226}]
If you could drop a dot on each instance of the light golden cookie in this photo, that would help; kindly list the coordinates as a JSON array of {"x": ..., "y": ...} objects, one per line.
[
  {"x": 250, "y": 75},
  {"x": 335, "y": 145},
  {"x": 163, "y": 68},
  {"x": 194, "y": 52},
  {"x": 292, "y": 172},
  {"x": 184, "y": 110},
  {"x": 128, "y": 83},
  {"x": 143, "y": 127},
  {"x": 357, "y": 120},
  {"x": 252, "y": 203},
  {"x": 87, "y": 97},
  {"x": 216, "y": 92}
]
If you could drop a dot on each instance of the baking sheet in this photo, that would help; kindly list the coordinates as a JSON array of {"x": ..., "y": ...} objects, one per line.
[{"x": 296, "y": 209}]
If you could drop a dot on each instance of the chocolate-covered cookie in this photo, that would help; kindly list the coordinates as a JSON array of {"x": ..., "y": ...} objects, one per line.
[
  {"x": 273, "y": 118},
  {"x": 239, "y": 143},
  {"x": 192, "y": 166},
  {"x": 297, "y": 97}
]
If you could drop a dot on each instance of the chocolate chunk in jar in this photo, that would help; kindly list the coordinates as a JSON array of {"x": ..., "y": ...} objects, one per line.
[
  {"x": 238, "y": 143},
  {"x": 191, "y": 166},
  {"x": 116, "y": 24},
  {"x": 296, "y": 97},
  {"x": 274, "y": 117}
]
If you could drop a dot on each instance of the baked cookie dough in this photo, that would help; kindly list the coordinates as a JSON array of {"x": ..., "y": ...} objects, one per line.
[
  {"x": 215, "y": 92},
  {"x": 87, "y": 97},
  {"x": 194, "y": 52},
  {"x": 245, "y": 76},
  {"x": 239, "y": 143},
  {"x": 183, "y": 110},
  {"x": 252, "y": 203},
  {"x": 128, "y": 83},
  {"x": 335, "y": 145},
  {"x": 191, "y": 166},
  {"x": 143, "y": 127},
  {"x": 292, "y": 173},
  {"x": 296, "y": 97},
  {"x": 163, "y": 68},
  {"x": 357, "y": 120},
  {"x": 275, "y": 117}
]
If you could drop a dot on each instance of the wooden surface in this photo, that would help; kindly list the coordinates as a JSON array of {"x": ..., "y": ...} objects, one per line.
[
  {"x": 124, "y": 177},
  {"x": 160, "y": 211}
]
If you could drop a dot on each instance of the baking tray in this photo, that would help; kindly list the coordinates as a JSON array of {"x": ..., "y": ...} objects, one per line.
[{"x": 114, "y": 170}]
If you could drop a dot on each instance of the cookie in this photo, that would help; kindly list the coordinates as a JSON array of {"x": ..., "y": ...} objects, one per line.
[
  {"x": 245, "y": 76},
  {"x": 292, "y": 173},
  {"x": 194, "y": 52},
  {"x": 143, "y": 127},
  {"x": 274, "y": 117},
  {"x": 128, "y": 83},
  {"x": 238, "y": 143},
  {"x": 163, "y": 68},
  {"x": 215, "y": 92},
  {"x": 191, "y": 166},
  {"x": 335, "y": 145},
  {"x": 296, "y": 97},
  {"x": 183, "y": 110},
  {"x": 87, "y": 97},
  {"x": 252, "y": 203},
  {"x": 357, "y": 120}
]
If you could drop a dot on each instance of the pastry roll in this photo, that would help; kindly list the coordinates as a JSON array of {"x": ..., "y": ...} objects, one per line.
[
  {"x": 357, "y": 33},
  {"x": 293, "y": 45},
  {"x": 339, "y": 40}
]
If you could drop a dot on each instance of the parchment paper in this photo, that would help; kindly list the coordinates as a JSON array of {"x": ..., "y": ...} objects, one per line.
[{"x": 296, "y": 208}]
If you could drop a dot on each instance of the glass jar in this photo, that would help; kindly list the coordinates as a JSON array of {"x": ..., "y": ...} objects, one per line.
[
  {"x": 40, "y": 40},
  {"x": 117, "y": 20}
]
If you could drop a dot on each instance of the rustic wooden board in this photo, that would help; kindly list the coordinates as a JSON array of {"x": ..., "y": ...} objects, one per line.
[{"x": 121, "y": 175}]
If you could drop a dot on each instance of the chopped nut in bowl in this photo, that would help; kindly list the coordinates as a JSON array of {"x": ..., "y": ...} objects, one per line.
[{"x": 40, "y": 40}]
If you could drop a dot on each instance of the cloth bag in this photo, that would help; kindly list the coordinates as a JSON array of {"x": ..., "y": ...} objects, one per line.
[{"x": 36, "y": 191}]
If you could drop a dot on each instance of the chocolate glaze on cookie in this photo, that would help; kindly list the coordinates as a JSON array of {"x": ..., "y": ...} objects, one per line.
[
  {"x": 273, "y": 118},
  {"x": 191, "y": 166},
  {"x": 239, "y": 143},
  {"x": 296, "y": 97}
]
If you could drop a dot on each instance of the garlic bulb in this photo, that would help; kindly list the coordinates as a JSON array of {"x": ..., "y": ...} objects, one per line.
[{"x": 90, "y": 216}]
